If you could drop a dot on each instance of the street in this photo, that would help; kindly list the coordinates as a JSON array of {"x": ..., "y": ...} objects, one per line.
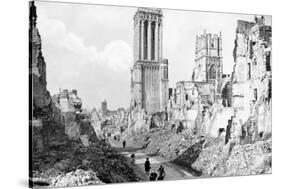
[{"x": 173, "y": 171}]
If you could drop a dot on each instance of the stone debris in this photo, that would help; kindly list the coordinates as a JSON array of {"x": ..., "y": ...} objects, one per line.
[
  {"x": 108, "y": 165},
  {"x": 56, "y": 178},
  {"x": 84, "y": 139},
  {"x": 249, "y": 159}
]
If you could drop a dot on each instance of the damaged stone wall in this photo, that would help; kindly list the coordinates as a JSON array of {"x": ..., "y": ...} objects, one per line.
[
  {"x": 113, "y": 122},
  {"x": 252, "y": 75},
  {"x": 96, "y": 121},
  {"x": 37, "y": 70},
  {"x": 138, "y": 121}
]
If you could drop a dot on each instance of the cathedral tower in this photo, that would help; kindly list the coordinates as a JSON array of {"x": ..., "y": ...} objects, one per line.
[
  {"x": 208, "y": 58},
  {"x": 149, "y": 74}
]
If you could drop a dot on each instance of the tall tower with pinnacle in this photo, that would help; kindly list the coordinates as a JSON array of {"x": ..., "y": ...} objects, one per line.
[{"x": 149, "y": 74}]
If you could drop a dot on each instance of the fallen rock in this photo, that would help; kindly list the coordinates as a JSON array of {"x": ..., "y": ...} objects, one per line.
[
  {"x": 76, "y": 178},
  {"x": 223, "y": 160},
  {"x": 85, "y": 140}
]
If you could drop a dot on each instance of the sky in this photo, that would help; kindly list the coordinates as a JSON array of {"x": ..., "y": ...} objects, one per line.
[{"x": 90, "y": 47}]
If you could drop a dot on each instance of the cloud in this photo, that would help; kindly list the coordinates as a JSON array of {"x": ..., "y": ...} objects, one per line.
[
  {"x": 73, "y": 64},
  {"x": 116, "y": 54}
]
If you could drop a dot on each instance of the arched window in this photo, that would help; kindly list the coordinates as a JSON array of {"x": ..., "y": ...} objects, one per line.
[
  {"x": 212, "y": 72},
  {"x": 153, "y": 40},
  {"x": 145, "y": 39}
]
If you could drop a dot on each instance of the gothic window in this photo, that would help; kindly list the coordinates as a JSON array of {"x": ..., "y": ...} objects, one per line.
[
  {"x": 140, "y": 25},
  {"x": 145, "y": 39},
  {"x": 212, "y": 72},
  {"x": 186, "y": 96},
  {"x": 153, "y": 40}
]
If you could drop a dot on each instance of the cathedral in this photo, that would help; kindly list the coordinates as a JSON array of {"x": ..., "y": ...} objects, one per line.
[{"x": 149, "y": 74}]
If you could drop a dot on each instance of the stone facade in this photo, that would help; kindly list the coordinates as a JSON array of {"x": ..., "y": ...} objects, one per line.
[{"x": 149, "y": 74}]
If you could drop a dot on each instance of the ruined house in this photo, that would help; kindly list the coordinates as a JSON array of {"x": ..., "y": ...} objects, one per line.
[
  {"x": 70, "y": 106},
  {"x": 252, "y": 79}
]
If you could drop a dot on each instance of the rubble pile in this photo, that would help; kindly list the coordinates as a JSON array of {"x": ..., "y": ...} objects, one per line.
[
  {"x": 74, "y": 178},
  {"x": 71, "y": 155},
  {"x": 217, "y": 159},
  {"x": 70, "y": 144},
  {"x": 166, "y": 142}
]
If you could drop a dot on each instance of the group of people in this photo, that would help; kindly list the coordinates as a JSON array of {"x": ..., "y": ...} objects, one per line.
[{"x": 153, "y": 175}]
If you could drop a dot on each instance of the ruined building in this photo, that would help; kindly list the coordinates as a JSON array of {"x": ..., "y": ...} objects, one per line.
[
  {"x": 37, "y": 69},
  {"x": 149, "y": 74},
  {"x": 68, "y": 101},
  {"x": 252, "y": 80}
]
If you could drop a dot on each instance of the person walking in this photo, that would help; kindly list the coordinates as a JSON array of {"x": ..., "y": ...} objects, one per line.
[
  {"x": 124, "y": 143},
  {"x": 161, "y": 172},
  {"x": 133, "y": 158},
  {"x": 147, "y": 166}
]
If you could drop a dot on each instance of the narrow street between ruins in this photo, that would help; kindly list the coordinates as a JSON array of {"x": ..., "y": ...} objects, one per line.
[{"x": 173, "y": 171}]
